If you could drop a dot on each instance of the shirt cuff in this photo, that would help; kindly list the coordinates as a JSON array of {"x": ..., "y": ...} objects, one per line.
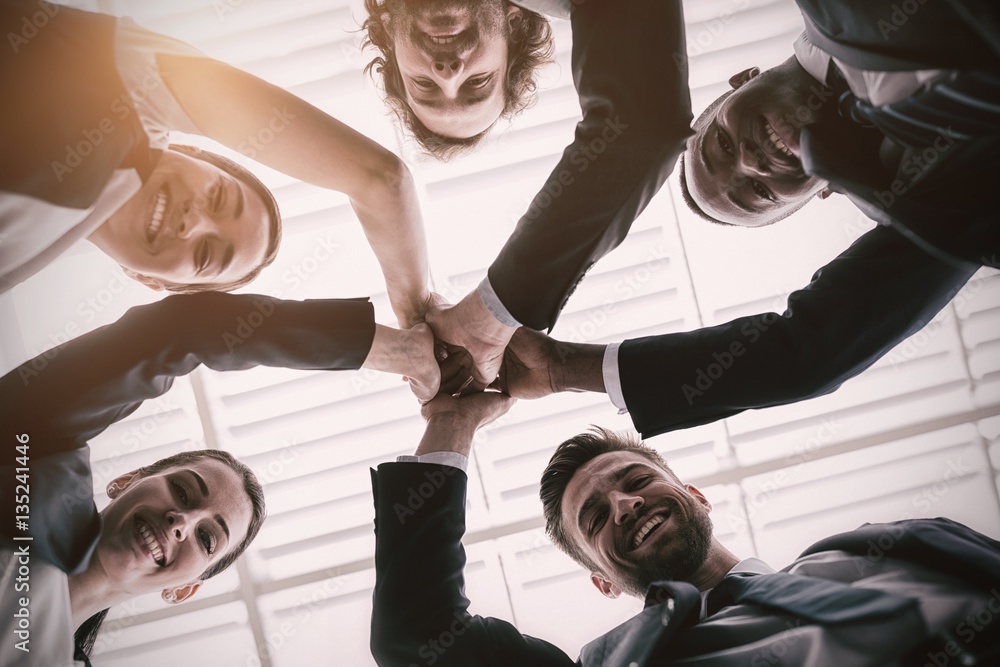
[
  {"x": 494, "y": 305},
  {"x": 612, "y": 379},
  {"x": 453, "y": 459}
]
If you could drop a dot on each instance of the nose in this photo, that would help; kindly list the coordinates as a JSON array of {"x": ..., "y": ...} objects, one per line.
[
  {"x": 192, "y": 221},
  {"x": 753, "y": 160},
  {"x": 179, "y": 524},
  {"x": 447, "y": 72},
  {"x": 625, "y": 505}
]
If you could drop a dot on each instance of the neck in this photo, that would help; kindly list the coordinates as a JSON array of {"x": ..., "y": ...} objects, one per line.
[
  {"x": 717, "y": 565},
  {"x": 90, "y": 592}
]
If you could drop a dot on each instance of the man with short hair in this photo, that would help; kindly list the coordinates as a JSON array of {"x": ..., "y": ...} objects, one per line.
[
  {"x": 616, "y": 507},
  {"x": 898, "y": 110}
]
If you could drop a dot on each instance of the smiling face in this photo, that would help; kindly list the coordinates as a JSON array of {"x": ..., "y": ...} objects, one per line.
[
  {"x": 744, "y": 164},
  {"x": 190, "y": 223},
  {"x": 635, "y": 523},
  {"x": 164, "y": 530},
  {"x": 452, "y": 58}
]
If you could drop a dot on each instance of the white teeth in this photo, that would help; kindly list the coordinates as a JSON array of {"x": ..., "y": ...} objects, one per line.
[
  {"x": 150, "y": 541},
  {"x": 776, "y": 140},
  {"x": 649, "y": 525},
  {"x": 158, "y": 209}
]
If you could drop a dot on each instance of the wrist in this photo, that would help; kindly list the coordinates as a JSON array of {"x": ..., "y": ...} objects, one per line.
[
  {"x": 448, "y": 432},
  {"x": 578, "y": 367}
]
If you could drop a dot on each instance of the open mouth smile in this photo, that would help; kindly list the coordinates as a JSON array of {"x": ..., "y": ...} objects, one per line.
[
  {"x": 159, "y": 212},
  {"x": 149, "y": 540},
  {"x": 646, "y": 528},
  {"x": 777, "y": 142}
]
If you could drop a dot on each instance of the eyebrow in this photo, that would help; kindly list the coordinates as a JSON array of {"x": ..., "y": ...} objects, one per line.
[
  {"x": 203, "y": 487},
  {"x": 595, "y": 496},
  {"x": 704, "y": 153},
  {"x": 238, "y": 206}
]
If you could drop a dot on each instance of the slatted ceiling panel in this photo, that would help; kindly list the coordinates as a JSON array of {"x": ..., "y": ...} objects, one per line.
[{"x": 216, "y": 636}]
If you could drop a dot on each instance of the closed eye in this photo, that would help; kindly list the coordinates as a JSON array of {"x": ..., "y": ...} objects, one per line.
[
  {"x": 425, "y": 85},
  {"x": 597, "y": 521},
  {"x": 638, "y": 482},
  {"x": 479, "y": 81}
]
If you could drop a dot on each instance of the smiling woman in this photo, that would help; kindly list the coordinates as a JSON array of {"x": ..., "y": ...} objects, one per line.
[
  {"x": 170, "y": 525},
  {"x": 87, "y": 154}
]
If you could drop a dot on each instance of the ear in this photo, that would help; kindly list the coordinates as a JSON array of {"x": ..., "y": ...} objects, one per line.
[
  {"x": 608, "y": 589},
  {"x": 513, "y": 15},
  {"x": 180, "y": 593},
  {"x": 385, "y": 19},
  {"x": 151, "y": 283},
  {"x": 740, "y": 78},
  {"x": 699, "y": 496},
  {"x": 120, "y": 483}
]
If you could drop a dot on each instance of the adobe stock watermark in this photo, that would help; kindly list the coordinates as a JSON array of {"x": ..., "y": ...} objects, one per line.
[
  {"x": 417, "y": 496},
  {"x": 31, "y": 25},
  {"x": 914, "y": 166},
  {"x": 91, "y": 138},
  {"x": 581, "y": 158},
  {"x": 246, "y": 325},
  {"x": 277, "y": 123}
]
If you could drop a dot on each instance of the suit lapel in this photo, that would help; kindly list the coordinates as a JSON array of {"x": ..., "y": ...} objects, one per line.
[{"x": 670, "y": 607}]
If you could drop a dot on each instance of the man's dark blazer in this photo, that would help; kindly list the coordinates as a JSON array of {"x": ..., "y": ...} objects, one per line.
[
  {"x": 419, "y": 590},
  {"x": 630, "y": 69},
  {"x": 68, "y": 395},
  {"x": 886, "y": 286}
]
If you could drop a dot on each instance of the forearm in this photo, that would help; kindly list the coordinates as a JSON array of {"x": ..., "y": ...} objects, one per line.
[
  {"x": 314, "y": 147},
  {"x": 418, "y": 599},
  {"x": 855, "y": 310},
  {"x": 68, "y": 395},
  {"x": 633, "y": 90},
  {"x": 389, "y": 212}
]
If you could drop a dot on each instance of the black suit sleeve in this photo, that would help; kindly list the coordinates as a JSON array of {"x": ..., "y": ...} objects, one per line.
[
  {"x": 630, "y": 69},
  {"x": 858, "y": 307},
  {"x": 420, "y": 614},
  {"x": 66, "y": 396}
]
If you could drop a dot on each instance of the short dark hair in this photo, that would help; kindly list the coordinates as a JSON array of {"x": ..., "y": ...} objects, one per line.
[
  {"x": 86, "y": 635},
  {"x": 569, "y": 457},
  {"x": 530, "y": 47},
  {"x": 241, "y": 173}
]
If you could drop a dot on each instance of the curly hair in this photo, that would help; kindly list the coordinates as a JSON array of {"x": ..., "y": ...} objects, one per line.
[{"x": 530, "y": 46}]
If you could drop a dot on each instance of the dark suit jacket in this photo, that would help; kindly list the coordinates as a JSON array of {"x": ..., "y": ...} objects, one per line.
[
  {"x": 941, "y": 196},
  {"x": 885, "y": 287},
  {"x": 420, "y": 611},
  {"x": 630, "y": 69},
  {"x": 66, "y": 396}
]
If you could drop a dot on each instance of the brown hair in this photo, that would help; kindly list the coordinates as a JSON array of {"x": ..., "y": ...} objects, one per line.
[
  {"x": 569, "y": 457},
  {"x": 530, "y": 46}
]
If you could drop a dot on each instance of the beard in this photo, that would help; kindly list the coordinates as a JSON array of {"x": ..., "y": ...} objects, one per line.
[
  {"x": 679, "y": 558},
  {"x": 409, "y": 18}
]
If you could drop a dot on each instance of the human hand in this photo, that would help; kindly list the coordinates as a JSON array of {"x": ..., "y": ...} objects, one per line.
[
  {"x": 471, "y": 326},
  {"x": 410, "y": 353},
  {"x": 530, "y": 365},
  {"x": 452, "y": 421}
]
